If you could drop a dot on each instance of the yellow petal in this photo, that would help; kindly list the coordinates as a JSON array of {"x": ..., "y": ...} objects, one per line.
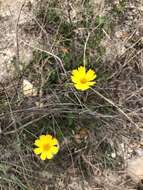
[
  {"x": 54, "y": 141},
  {"x": 75, "y": 75},
  {"x": 91, "y": 83},
  {"x": 81, "y": 71},
  {"x": 37, "y": 151},
  {"x": 49, "y": 155},
  {"x": 90, "y": 75},
  {"x": 43, "y": 156},
  {"x": 49, "y": 137},
  {"x": 75, "y": 72},
  {"x": 42, "y": 137},
  {"x": 45, "y": 138},
  {"x": 75, "y": 79},
  {"x": 82, "y": 87},
  {"x": 55, "y": 149},
  {"x": 28, "y": 89},
  {"x": 37, "y": 142}
]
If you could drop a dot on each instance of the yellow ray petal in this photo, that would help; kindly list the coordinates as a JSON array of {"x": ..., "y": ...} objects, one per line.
[
  {"x": 38, "y": 142},
  {"x": 91, "y": 83},
  {"x": 75, "y": 72},
  {"x": 90, "y": 75},
  {"x": 44, "y": 138},
  {"x": 37, "y": 151},
  {"x": 43, "y": 156},
  {"x": 54, "y": 149},
  {"x": 75, "y": 79},
  {"x": 82, "y": 87},
  {"x": 49, "y": 137},
  {"x": 81, "y": 71},
  {"x": 49, "y": 155},
  {"x": 54, "y": 141}
]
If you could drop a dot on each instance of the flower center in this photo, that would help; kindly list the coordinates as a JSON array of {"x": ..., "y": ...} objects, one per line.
[
  {"x": 83, "y": 80},
  {"x": 46, "y": 147}
]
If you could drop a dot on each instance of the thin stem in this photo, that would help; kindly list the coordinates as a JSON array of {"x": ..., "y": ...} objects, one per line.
[
  {"x": 85, "y": 47},
  {"x": 49, "y": 53}
]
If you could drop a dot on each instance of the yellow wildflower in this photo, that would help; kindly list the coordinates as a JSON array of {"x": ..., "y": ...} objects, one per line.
[
  {"x": 83, "y": 79},
  {"x": 47, "y": 145}
]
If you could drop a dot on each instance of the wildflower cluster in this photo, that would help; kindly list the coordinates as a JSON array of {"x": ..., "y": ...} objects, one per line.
[{"x": 46, "y": 145}]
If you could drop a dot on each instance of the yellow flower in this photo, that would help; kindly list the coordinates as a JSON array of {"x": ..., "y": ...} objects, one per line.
[
  {"x": 47, "y": 145},
  {"x": 83, "y": 79}
]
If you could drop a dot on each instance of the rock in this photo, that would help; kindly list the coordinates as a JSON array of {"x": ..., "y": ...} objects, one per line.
[
  {"x": 9, "y": 12},
  {"x": 135, "y": 169}
]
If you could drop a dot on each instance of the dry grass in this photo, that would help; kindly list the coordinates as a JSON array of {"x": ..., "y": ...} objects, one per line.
[{"x": 96, "y": 129}]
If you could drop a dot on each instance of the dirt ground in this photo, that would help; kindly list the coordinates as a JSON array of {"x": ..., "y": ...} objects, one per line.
[{"x": 101, "y": 136}]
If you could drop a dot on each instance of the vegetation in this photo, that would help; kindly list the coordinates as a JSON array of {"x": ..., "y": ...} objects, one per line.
[{"x": 93, "y": 125}]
